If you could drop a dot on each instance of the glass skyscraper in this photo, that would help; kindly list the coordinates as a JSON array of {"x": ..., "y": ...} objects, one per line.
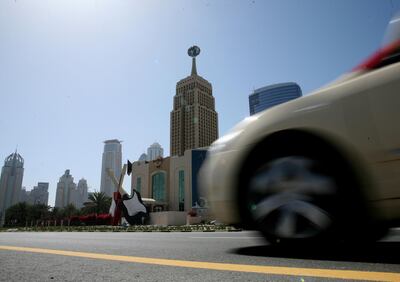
[{"x": 272, "y": 95}]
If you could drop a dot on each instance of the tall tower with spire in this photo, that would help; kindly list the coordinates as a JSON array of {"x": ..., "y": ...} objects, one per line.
[
  {"x": 10, "y": 183},
  {"x": 194, "y": 121}
]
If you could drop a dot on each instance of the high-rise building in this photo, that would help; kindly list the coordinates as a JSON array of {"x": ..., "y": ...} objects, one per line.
[
  {"x": 24, "y": 195},
  {"x": 272, "y": 95},
  {"x": 143, "y": 157},
  {"x": 154, "y": 151},
  {"x": 65, "y": 190},
  {"x": 39, "y": 194},
  {"x": 10, "y": 182},
  {"x": 194, "y": 121},
  {"x": 81, "y": 193},
  {"x": 112, "y": 159}
]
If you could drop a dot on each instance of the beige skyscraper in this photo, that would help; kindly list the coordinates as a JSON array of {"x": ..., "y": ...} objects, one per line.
[
  {"x": 194, "y": 121},
  {"x": 65, "y": 190}
]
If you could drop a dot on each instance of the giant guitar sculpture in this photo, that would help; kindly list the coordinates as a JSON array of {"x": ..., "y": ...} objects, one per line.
[{"x": 131, "y": 208}]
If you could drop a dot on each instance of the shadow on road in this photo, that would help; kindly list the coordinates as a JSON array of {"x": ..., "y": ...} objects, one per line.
[{"x": 379, "y": 252}]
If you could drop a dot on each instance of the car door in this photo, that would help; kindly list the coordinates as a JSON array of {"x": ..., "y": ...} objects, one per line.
[{"x": 384, "y": 102}]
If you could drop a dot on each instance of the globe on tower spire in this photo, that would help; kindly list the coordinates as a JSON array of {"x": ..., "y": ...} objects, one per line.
[{"x": 193, "y": 52}]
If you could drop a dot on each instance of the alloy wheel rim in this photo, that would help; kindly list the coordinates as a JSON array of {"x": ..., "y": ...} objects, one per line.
[{"x": 289, "y": 199}]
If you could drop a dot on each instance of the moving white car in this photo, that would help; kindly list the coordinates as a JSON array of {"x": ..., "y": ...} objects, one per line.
[{"x": 325, "y": 166}]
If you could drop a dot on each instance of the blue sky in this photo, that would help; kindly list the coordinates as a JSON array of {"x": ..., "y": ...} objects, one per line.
[{"x": 75, "y": 73}]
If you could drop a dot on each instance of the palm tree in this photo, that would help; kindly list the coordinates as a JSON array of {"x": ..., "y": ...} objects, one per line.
[
  {"x": 69, "y": 210},
  {"x": 100, "y": 203},
  {"x": 55, "y": 213},
  {"x": 39, "y": 212},
  {"x": 22, "y": 213}
]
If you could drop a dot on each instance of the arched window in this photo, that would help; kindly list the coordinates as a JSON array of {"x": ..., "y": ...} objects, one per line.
[{"x": 158, "y": 186}]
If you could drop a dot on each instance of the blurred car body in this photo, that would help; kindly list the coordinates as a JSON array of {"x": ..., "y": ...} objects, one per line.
[{"x": 326, "y": 165}]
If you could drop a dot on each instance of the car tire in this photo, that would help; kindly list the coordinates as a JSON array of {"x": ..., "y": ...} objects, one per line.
[
  {"x": 304, "y": 197},
  {"x": 293, "y": 198}
]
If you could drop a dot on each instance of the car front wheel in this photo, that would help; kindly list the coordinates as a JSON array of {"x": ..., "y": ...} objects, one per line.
[{"x": 294, "y": 198}]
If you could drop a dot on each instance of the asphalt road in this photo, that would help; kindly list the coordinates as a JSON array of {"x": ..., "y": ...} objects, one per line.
[{"x": 191, "y": 256}]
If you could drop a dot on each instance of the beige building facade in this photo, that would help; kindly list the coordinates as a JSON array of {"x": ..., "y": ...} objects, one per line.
[{"x": 171, "y": 182}]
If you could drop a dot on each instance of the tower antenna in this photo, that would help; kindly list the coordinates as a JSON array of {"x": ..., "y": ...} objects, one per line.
[{"x": 193, "y": 52}]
